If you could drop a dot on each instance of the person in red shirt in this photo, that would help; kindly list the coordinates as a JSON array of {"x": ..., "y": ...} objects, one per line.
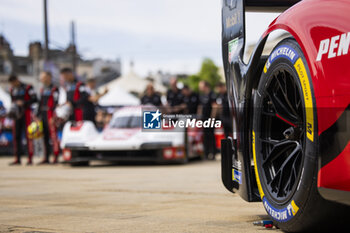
[
  {"x": 22, "y": 96},
  {"x": 77, "y": 95},
  {"x": 48, "y": 101}
]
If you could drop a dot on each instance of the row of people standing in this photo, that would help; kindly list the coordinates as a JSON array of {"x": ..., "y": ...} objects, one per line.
[
  {"x": 207, "y": 104},
  {"x": 79, "y": 97}
]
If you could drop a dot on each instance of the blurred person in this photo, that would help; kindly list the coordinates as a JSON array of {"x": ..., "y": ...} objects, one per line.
[
  {"x": 77, "y": 96},
  {"x": 92, "y": 90},
  {"x": 89, "y": 108},
  {"x": 100, "y": 115},
  {"x": 174, "y": 97},
  {"x": 22, "y": 97},
  {"x": 223, "y": 105},
  {"x": 6, "y": 125},
  {"x": 2, "y": 116},
  {"x": 5, "y": 122},
  {"x": 108, "y": 116},
  {"x": 2, "y": 110},
  {"x": 207, "y": 101},
  {"x": 190, "y": 99},
  {"x": 49, "y": 95},
  {"x": 151, "y": 97}
]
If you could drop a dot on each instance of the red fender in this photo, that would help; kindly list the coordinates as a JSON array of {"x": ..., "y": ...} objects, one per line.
[{"x": 320, "y": 27}]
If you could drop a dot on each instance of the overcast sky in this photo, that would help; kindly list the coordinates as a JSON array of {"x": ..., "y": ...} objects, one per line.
[{"x": 171, "y": 35}]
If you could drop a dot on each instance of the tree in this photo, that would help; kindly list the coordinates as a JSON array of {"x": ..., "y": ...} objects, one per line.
[
  {"x": 193, "y": 82},
  {"x": 208, "y": 72}
]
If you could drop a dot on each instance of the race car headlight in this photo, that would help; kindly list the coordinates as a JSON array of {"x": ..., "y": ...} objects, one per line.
[
  {"x": 173, "y": 152},
  {"x": 168, "y": 153},
  {"x": 179, "y": 152},
  {"x": 67, "y": 154}
]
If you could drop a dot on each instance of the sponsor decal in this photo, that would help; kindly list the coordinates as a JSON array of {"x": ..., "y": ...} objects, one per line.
[
  {"x": 237, "y": 176},
  {"x": 334, "y": 47},
  {"x": 232, "y": 20},
  {"x": 281, "y": 215},
  {"x": 120, "y": 134},
  {"x": 232, "y": 47},
  {"x": 237, "y": 164},
  {"x": 281, "y": 51}
]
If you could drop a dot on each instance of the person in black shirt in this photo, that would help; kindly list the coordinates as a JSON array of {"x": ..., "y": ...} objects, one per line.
[
  {"x": 151, "y": 97},
  {"x": 207, "y": 100},
  {"x": 191, "y": 100},
  {"x": 222, "y": 101},
  {"x": 22, "y": 96},
  {"x": 89, "y": 108},
  {"x": 174, "y": 97},
  {"x": 77, "y": 96}
]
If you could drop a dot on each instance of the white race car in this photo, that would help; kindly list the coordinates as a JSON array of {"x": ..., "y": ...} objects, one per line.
[{"x": 125, "y": 140}]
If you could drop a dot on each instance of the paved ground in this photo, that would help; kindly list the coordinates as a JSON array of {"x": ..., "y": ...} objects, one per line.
[{"x": 121, "y": 198}]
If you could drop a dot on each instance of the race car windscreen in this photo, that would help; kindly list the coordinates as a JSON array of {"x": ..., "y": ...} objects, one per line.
[{"x": 126, "y": 122}]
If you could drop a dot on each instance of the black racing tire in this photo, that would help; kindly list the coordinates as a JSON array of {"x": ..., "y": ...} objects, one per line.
[{"x": 285, "y": 145}]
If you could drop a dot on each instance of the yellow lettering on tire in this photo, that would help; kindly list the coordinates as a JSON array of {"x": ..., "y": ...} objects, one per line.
[
  {"x": 305, "y": 84},
  {"x": 295, "y": 208},
  {"x": 256, "y": 168}
]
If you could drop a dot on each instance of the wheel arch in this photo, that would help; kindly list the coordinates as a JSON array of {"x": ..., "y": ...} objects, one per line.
[
  {"x": 309, "y": 24},
  {"x": 297, "y": 33}
]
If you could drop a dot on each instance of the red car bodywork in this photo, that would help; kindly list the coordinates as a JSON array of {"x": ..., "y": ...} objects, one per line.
[
  {"x": 315, "y": 21},
  {"x": 322, "y": 29}
]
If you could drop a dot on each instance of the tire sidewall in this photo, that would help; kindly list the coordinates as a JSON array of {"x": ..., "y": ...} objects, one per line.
[{"x": 306, "y": 182}]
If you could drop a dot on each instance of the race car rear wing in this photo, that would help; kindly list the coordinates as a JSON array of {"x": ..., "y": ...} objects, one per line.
[
  {"x": 237, "y": 172},
  {"x": 233, "y": 12},
  {"x": 269, "y": 5}
]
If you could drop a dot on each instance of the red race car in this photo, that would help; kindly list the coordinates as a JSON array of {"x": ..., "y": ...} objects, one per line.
[{"x": 290, "y": 148}]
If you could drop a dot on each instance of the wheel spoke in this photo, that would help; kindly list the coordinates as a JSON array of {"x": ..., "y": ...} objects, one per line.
[
  {"x": 268, "y": 113},
  {"x": 285, "y": 93},
  {"x": 278, "y": 149},
  {"x": 280, "y": 183},
  {"x": 282, "y": 110},
  {"x": 292, "y": 174},
  {"x": 280, "y": 171},
  {"x": 290, "y": 156},
  {"x": 271, "y": 141},
  {"x": 297, "y": 100},
  {"x": 282, "y": 133}
]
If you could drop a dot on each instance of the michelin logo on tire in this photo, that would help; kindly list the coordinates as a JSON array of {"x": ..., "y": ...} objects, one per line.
[
  {"x": 281, "y": 51},
  {"x": 281, "y": 215}
]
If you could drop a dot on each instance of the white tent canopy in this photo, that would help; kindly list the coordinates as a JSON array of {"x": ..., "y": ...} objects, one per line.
[
  {"x": 5, "y": 98},
  {"x": 132, "y": 83},
  {"x": 118, "y": 97}
]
